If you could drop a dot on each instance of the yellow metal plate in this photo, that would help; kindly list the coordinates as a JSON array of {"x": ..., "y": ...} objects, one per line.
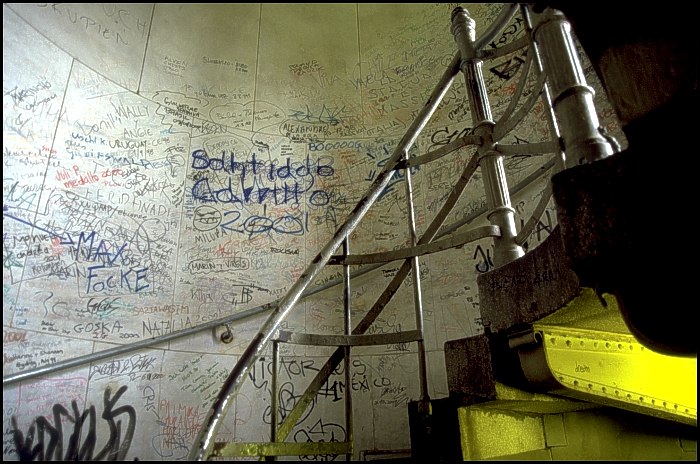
[{"x": 591, "y": 353}]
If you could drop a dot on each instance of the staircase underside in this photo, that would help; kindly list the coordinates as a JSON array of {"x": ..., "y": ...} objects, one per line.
[{"x": 557, "y": 367}]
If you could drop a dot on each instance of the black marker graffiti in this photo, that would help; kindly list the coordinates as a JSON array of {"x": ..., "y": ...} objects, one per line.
[
  {"x": 486, "y": 263},
  {"x": 115, "y": 449},
  {"x": 320, "y": 432}
]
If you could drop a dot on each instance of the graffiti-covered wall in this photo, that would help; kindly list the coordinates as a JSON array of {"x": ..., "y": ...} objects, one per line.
[{"x": 167, "y": 165}]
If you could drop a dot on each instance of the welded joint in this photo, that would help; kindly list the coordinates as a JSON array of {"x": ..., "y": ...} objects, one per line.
[
  {"x": 484, "y": 130},
  {"x": 488, "y": 154},
  {"x": 503, "y": 209}
]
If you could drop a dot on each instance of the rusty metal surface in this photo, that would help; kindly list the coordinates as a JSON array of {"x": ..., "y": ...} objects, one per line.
[
  {"x": 525, "y": 290},
  {"x": 470, "y": 377}
]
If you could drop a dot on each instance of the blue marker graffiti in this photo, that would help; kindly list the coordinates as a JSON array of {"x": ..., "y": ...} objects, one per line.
[{"x": 255, "y": 181}]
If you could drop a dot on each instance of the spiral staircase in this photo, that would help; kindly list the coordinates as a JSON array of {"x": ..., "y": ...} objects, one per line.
[{"x": 587, "y": 353}]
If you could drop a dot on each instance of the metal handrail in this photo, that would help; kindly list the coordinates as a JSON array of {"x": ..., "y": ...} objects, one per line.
[
  {"x": 430, "y": 233},
  {"x": 205, "y": 440},
  {"x": 506, "y": 13},
  {"x": 255, "y": 311},
  {"x": 482, "y": 114}
]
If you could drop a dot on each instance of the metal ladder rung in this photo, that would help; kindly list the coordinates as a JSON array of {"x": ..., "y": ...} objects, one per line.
[
  {"x": 348, "y": 340},
  {"x": 419, "y": 250},
  {"x": 255, "y": 449}
]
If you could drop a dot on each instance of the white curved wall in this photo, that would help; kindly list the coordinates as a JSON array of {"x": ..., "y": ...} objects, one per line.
[{"x": 165, "y": 165}]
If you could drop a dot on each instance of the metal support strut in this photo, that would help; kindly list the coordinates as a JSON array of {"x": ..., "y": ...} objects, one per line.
[
  {"x": 501, "y": 212},
  {"x": 347, "y": 330},
  {"x": 572, "y": 98},
  {"x": 417, "y": 293}
]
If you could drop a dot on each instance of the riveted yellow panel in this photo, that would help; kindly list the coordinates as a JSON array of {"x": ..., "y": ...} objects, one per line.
[{"x": 590, "y": 352}]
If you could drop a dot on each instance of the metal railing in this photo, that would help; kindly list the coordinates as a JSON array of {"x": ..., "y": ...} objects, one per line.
[
  {"x": 205, "y": 441},
  {"x": 561, "y": 87},
  {"x": 501, "y": 216},
  {"x": 504, "y": 16},
  {"x": 109, "y": 353}
]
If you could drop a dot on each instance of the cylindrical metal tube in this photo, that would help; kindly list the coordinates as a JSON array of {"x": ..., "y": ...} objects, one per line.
[
  {"x": 274, "y": 386},
  {"x": 572, "y": 98},
  {"x": 501, "y": 212},
  {"x": 496, "y": 26},
  {"x": 347, "y": 304},
  {"x": 140, "y": 345},
  {"x": 546, "y": 96},
  {"x": 417, "y": 293}
]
